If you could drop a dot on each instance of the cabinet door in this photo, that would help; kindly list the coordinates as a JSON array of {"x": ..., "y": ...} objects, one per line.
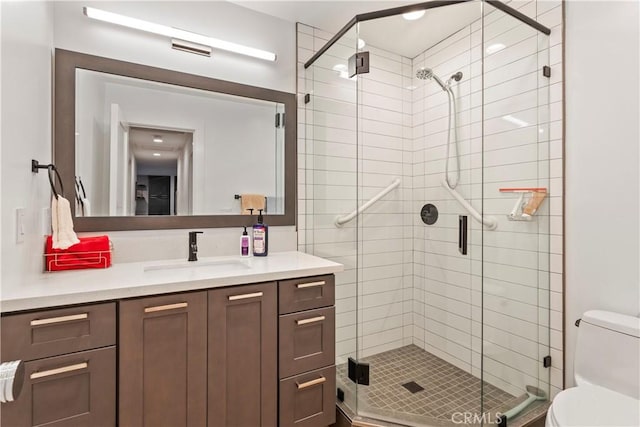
[
  {"x": 163, "y": 361},
  {"x": 243, "y": 378},
  {"x": 77, "y": 389}
]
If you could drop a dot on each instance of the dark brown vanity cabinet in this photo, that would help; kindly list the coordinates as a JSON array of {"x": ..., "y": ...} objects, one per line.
[
  {"x": 69, "y": 370},
  {"x": 243, "y": 351},
  {"x": 256, "y": 355},
  {"x": 163, "y": 361},
  {"x": 307, "y": 352}
]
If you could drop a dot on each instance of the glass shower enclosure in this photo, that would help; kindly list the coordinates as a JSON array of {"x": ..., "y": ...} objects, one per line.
[{"x": 425, "y": 173}]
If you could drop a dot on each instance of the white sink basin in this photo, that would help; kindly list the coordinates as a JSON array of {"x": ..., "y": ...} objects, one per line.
[{"x": 221, "y": 265}]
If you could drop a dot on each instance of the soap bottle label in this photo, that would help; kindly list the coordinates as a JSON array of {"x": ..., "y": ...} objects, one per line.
[
  {"x": 244, "y": 246},
  {"x": 258, "y": 241}
]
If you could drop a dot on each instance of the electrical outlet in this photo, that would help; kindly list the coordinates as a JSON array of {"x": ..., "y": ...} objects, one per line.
[{"x": 20, "y": 219}]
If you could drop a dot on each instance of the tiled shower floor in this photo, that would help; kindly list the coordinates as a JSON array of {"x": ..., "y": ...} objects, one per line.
[{"x": 448, "y": 390}]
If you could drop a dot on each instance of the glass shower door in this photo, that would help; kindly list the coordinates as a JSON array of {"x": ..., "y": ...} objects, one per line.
[
  {"x": 515, "y": 168},
  {"x": 330, "y": 188}
]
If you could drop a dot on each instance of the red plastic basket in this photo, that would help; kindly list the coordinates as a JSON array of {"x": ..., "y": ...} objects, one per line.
[{"x": 91, "y": 252}]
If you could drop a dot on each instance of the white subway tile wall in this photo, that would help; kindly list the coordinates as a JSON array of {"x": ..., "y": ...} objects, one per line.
[{"x": 405, "y": 282}]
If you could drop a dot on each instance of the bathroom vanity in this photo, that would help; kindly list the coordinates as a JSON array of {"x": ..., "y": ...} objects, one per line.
[{"x": 219, "y": 342}]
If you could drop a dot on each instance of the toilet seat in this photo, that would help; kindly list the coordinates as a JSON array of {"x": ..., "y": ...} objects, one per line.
[{"x": 591, "y": 405}]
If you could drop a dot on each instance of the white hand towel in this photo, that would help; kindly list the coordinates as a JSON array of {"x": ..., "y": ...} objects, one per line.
[{"x": 63, "y": 235}]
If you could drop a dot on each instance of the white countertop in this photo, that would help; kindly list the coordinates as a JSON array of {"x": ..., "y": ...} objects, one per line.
[{"x": 136, "y": 279}]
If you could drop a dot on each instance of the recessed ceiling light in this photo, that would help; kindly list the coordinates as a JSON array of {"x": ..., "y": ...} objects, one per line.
[
  {"x": 496, "y": 47},
  {"x": 412, "y": 16},
  {"x": 361, "y": 44},
  {"x": 156, "y": 154},
  {"x": 157, "y": 139}
]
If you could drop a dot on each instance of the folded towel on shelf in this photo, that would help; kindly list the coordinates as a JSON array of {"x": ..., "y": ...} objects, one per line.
[
  {"x": 63, "y": 235},
  {"x": 251, "y": 201}
]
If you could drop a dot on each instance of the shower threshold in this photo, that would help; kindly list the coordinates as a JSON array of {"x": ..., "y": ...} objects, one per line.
[{"x": 448, "y": 393}]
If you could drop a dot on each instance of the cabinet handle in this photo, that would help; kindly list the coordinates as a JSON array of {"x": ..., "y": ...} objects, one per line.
[
  {"x": 166, "y": 307},
  {"x": 310, "y": 320},
  {"x": 311, "y": 383},
  {"x": 56, "y": 371},
  {"x": 49, "y": 321},
  {"x": 245, "y": 296},
  {"x": 310, "y": 284}
]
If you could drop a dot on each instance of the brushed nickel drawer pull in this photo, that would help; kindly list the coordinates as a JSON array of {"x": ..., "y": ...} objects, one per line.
[
  {"x": 311, "y": 383},
  {"x": 245, "y": 296},
  {"x": 166, "y": 307},
  {"x": 56, "y": 371},
  {"x": 310, "y": 320},
  {"x": 310, "y": 284},
  {"x": 51, "y": 320}
]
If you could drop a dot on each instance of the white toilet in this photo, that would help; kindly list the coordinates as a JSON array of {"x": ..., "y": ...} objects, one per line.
[{"x": 606, "y": 372}]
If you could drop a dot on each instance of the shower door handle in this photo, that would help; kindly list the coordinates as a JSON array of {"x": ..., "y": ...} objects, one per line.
[{"x": 462, "y": 234}]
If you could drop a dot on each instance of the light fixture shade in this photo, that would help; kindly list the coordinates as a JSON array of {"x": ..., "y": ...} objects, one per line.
[{"x": 175, "y": 33}]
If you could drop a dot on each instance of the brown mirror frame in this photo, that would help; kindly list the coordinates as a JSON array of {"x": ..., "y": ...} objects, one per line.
[{"x": 66, "y": 63}]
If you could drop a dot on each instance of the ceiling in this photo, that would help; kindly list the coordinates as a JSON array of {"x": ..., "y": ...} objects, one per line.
[
  {"x": 143, "y": 146},
  {"x": 394, "y": 34}
]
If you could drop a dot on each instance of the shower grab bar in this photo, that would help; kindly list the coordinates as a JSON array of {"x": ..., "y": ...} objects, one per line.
[
  {"x": 341, "y": 220},
  {"x": 488, "y": 221}
]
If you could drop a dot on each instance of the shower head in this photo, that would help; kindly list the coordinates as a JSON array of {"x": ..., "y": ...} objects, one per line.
[
  {"x": 424, "y": 73},
  {"x": 427, "y": 74}
]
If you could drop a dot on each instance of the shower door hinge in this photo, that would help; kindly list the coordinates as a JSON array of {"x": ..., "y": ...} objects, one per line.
[
  {"x": 279, "y": 120},
  {"x": 546, "y": 71},
  {"x": 359, "y": 64},
  {"x": 546, "y": 361},
  {"x": 358, "y": 372},
  {"x": 307, "y": 98}
]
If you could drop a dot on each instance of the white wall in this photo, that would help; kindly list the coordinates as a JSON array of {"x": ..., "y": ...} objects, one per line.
[
  {"x": 602, "y": 178},
  {"x": 27, "y": 37},
  {"x": 29, "y": 32}
]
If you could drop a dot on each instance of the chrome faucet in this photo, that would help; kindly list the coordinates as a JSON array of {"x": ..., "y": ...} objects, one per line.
[{"x": 193, "y": 245}]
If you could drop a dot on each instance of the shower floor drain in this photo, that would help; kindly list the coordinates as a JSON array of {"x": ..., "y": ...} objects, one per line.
[{"x": 413, "y": 387}]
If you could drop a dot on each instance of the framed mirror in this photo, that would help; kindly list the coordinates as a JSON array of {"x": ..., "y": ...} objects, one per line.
[{"x": 140, "y": 147}]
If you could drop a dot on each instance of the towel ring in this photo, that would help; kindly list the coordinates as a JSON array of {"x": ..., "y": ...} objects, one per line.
[
  {"x": 52, "y": 168},
  {"x": 35, "y": 166}
]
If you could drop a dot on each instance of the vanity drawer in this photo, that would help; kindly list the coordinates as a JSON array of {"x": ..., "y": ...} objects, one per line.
[
  {"x": 308, "y": 400},
  {"x": 47, "y": 333},
  {"x": 307, "y": 341},
  {"x": 76, "y": 390},
  {"x": 306, "y": 293}
]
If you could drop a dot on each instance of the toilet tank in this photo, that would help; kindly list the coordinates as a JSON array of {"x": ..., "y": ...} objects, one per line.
[{"x": 608, "y": 352}]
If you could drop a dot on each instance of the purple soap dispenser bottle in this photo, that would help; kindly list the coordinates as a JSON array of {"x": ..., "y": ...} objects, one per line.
[{"x": 260, "y": 236}]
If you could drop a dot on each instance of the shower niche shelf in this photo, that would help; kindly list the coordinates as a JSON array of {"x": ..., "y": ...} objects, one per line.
[{"x": 527, "y": 204}]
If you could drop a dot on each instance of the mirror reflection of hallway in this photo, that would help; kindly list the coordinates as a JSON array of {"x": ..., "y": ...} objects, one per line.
[{"x": 161, "y": 163}]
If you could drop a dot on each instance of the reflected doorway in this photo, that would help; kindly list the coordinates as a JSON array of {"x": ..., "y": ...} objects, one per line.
[{"x": 162, "y": 164}]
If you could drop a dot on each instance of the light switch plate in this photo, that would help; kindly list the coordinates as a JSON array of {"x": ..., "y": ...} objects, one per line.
[{"x": 20, "y": 219}]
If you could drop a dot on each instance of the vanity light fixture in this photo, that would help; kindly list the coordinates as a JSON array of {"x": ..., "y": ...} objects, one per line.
[{"x": 175, "y": 33}]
